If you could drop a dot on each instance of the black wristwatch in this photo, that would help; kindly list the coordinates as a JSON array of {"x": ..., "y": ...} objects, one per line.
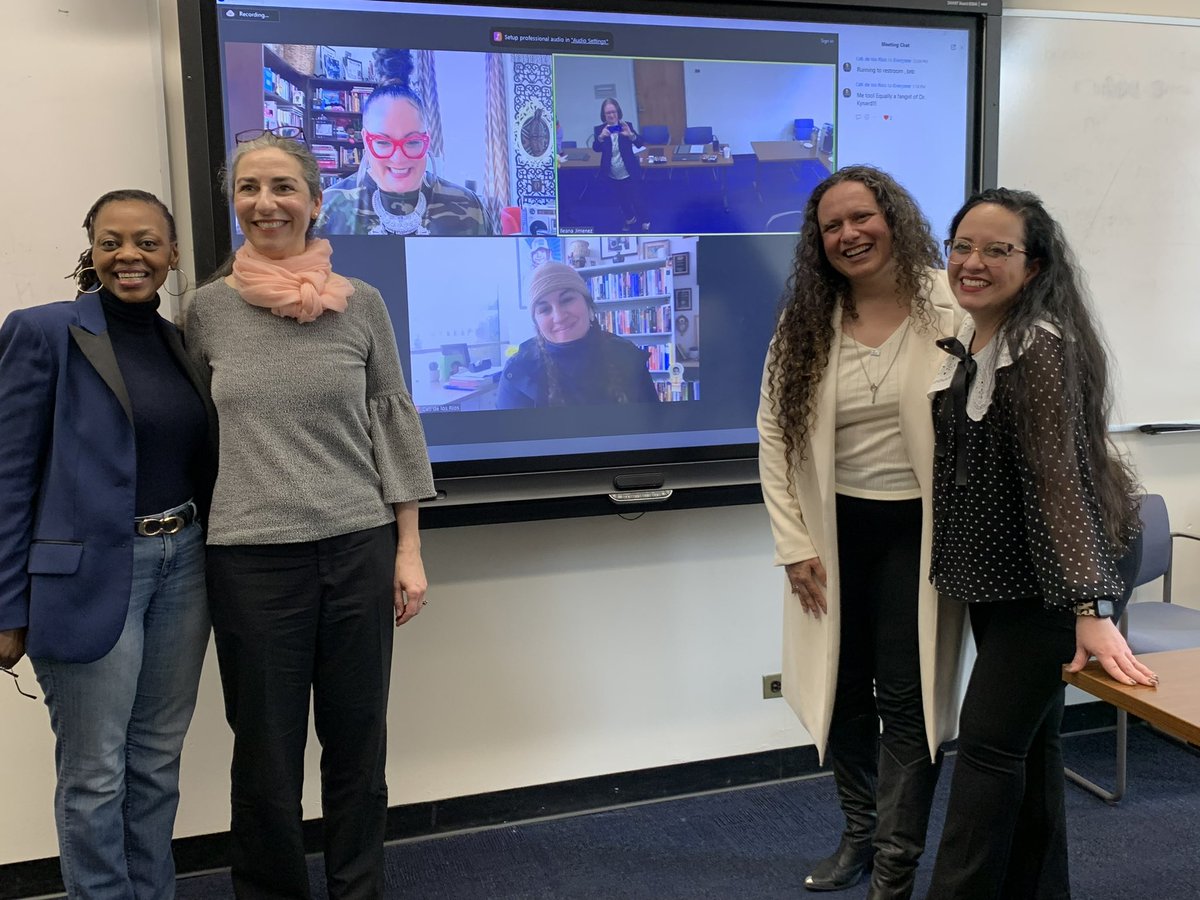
[{"x": 1101, "y": 609}]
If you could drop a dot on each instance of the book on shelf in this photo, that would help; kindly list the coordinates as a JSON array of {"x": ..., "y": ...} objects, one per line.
[
  {"x": 463, "y": 380},
  {"x": 630, "y": 285},
  {"x": 658, "y": 356},
  {"x": 636, "y": 320},
  {"x": 274, "y": 83},
  {"x": 326, "y": 154},
  {"x": 688, "y": 390}
]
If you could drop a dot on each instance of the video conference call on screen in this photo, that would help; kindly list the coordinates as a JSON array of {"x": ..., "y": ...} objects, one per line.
[{"x": 532, "y": 120}]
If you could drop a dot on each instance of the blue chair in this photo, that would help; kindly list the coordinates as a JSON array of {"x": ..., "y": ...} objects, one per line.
[
  {"x": 1149, "y": 626},
  {"x": 655, "y": 135},
  {"x": 698, "y": 134},
  {"x": 802, "y": 129},
  {"x": 567, "y": 145}
]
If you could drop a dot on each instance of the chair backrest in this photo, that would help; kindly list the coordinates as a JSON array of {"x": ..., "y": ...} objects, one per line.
[
  {"x": 802, "y": 129},
  {"x": 1156, "y": 539},
  {"x": 567, "y": 145},
  {"x": 826, "y": 138},
  {"x": 698, "y": 134},
  {"x": 655, "y": 134}
]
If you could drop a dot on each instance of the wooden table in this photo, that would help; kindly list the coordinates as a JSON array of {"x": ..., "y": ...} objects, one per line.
[
  {"x": 719, "y": 166},
  {"x": 1173, "y": 706},
  {"x": 788, "y": 151},
  {"x": 592, "y": 161}
]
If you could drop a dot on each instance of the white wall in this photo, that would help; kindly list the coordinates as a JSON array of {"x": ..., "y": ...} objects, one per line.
[
  {"x": 550, "y": 650},
  {"x": 745, "y": 102},
  {"x": 575, "y": 101},
  {"x": 72, "y": 70}
]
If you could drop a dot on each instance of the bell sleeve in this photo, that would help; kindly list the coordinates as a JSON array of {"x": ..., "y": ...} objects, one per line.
[{"x": 397, "y": 438}]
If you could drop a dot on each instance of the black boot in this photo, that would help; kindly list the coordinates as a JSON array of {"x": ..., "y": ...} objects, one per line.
[
  {"x": 904, "y": 797},
  {"x": 854, "y": 755}
]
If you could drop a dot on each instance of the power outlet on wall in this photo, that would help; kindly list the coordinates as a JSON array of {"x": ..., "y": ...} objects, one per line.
[{"x": 772, "y": 686}]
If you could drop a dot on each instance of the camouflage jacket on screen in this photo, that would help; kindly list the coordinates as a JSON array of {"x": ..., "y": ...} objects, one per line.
[{"x": 451, "y": 210}]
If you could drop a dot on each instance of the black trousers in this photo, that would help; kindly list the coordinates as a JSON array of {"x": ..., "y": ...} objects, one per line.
[
  {"x": 293, "y": 621},
  {"x": 879, "y": 667},
  {"x": 628, "y": 192},
  {"x": 1005, "y": 833}
]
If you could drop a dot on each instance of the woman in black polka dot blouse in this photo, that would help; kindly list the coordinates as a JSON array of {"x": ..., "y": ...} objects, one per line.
[{"x": 1031, "y": 514}]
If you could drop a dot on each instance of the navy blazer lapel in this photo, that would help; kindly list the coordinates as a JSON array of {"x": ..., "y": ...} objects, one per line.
[
  {"x": 175, "y": 342},
  {"x": 91, "y": 335}
]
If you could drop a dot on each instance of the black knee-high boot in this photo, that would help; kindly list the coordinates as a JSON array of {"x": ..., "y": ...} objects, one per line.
[
  {"x": 904, "y": 797},
  {"x": 854, "y": 756}
]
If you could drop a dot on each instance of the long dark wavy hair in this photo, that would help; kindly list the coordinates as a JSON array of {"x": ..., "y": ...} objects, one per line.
[
  {"x": 84, "y": 275},
  {"x": 1056, "y": 293},
  {"x": 804, "y": 334}
]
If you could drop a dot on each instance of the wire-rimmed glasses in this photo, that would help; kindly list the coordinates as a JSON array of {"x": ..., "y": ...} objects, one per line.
[{"x": 290, "y": 132}]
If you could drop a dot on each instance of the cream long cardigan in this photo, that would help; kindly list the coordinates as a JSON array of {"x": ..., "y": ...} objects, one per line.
[{"x": 804, "y": 523}]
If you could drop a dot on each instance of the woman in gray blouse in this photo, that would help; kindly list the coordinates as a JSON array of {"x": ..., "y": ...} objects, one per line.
[{"x": 313, "y": 545}]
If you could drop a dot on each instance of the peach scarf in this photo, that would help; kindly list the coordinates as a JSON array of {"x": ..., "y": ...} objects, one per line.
[{"x": 300, "y": 287}]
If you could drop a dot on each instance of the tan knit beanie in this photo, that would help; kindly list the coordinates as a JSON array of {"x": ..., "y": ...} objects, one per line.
[{"x": 552, "y": 277}]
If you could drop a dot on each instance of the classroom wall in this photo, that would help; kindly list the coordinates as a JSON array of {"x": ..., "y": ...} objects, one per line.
[
  {"x": 575, "y": 101},
  {"x": 549, "y": 650},
  {"x": 741, "y": 101}
]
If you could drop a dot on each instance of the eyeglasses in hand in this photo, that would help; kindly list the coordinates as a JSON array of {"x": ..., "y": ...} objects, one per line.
[{"x": 17, "y": 683}]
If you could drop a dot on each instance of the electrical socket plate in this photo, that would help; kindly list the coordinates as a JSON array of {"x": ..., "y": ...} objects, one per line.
[{"x": 772, "y": 686}]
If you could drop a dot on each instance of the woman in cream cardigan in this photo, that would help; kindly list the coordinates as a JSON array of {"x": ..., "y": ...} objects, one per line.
[{"x": 846, "y": 452}]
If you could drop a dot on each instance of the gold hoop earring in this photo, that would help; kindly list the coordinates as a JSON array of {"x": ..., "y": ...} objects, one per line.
[
  {"x": 79, "y": 272},
  {"x": 187, "y": 283}
]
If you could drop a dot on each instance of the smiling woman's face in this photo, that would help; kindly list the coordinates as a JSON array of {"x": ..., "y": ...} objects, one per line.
[
  {"x": 272, "y": 202},
  {"x": 396, "y": 119},
  {"x": 562, "y": 316},
  {"x": 854, "y": 232},
  {"x": 132, "y": 249}
]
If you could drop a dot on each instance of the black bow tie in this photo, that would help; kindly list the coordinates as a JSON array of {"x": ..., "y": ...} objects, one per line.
[{"x": 954, "y": 413}]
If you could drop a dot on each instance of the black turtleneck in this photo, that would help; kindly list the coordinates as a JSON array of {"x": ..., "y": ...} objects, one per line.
[{"x": 169, "y": 421}]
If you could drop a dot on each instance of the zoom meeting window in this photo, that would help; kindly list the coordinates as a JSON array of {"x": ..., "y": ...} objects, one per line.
[{"x": 665, "y": 160}]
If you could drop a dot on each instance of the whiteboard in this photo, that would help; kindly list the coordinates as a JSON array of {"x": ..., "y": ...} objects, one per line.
[{"x": 1101, "y": 118}]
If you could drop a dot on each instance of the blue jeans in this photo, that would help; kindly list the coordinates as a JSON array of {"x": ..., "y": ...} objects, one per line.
[{"x": 119, "y": 724}]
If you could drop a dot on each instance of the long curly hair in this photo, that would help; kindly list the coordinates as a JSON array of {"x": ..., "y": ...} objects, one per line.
[
  {"x": 804, "y": 334},
  {"x": 84, "y": 276},
  {"x": 1057, "y": 294}
]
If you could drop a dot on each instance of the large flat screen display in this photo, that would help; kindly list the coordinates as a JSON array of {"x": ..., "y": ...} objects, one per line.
[{"x": 663, "y": 156}]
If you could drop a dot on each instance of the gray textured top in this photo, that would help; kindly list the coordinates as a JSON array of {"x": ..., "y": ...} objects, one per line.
[{"x": 318, "y": 432}]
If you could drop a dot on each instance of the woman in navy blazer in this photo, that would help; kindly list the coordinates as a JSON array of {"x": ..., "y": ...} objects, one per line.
[
  {"x": 104, "y": 462},
  {"x": 615, "y": 140}
]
